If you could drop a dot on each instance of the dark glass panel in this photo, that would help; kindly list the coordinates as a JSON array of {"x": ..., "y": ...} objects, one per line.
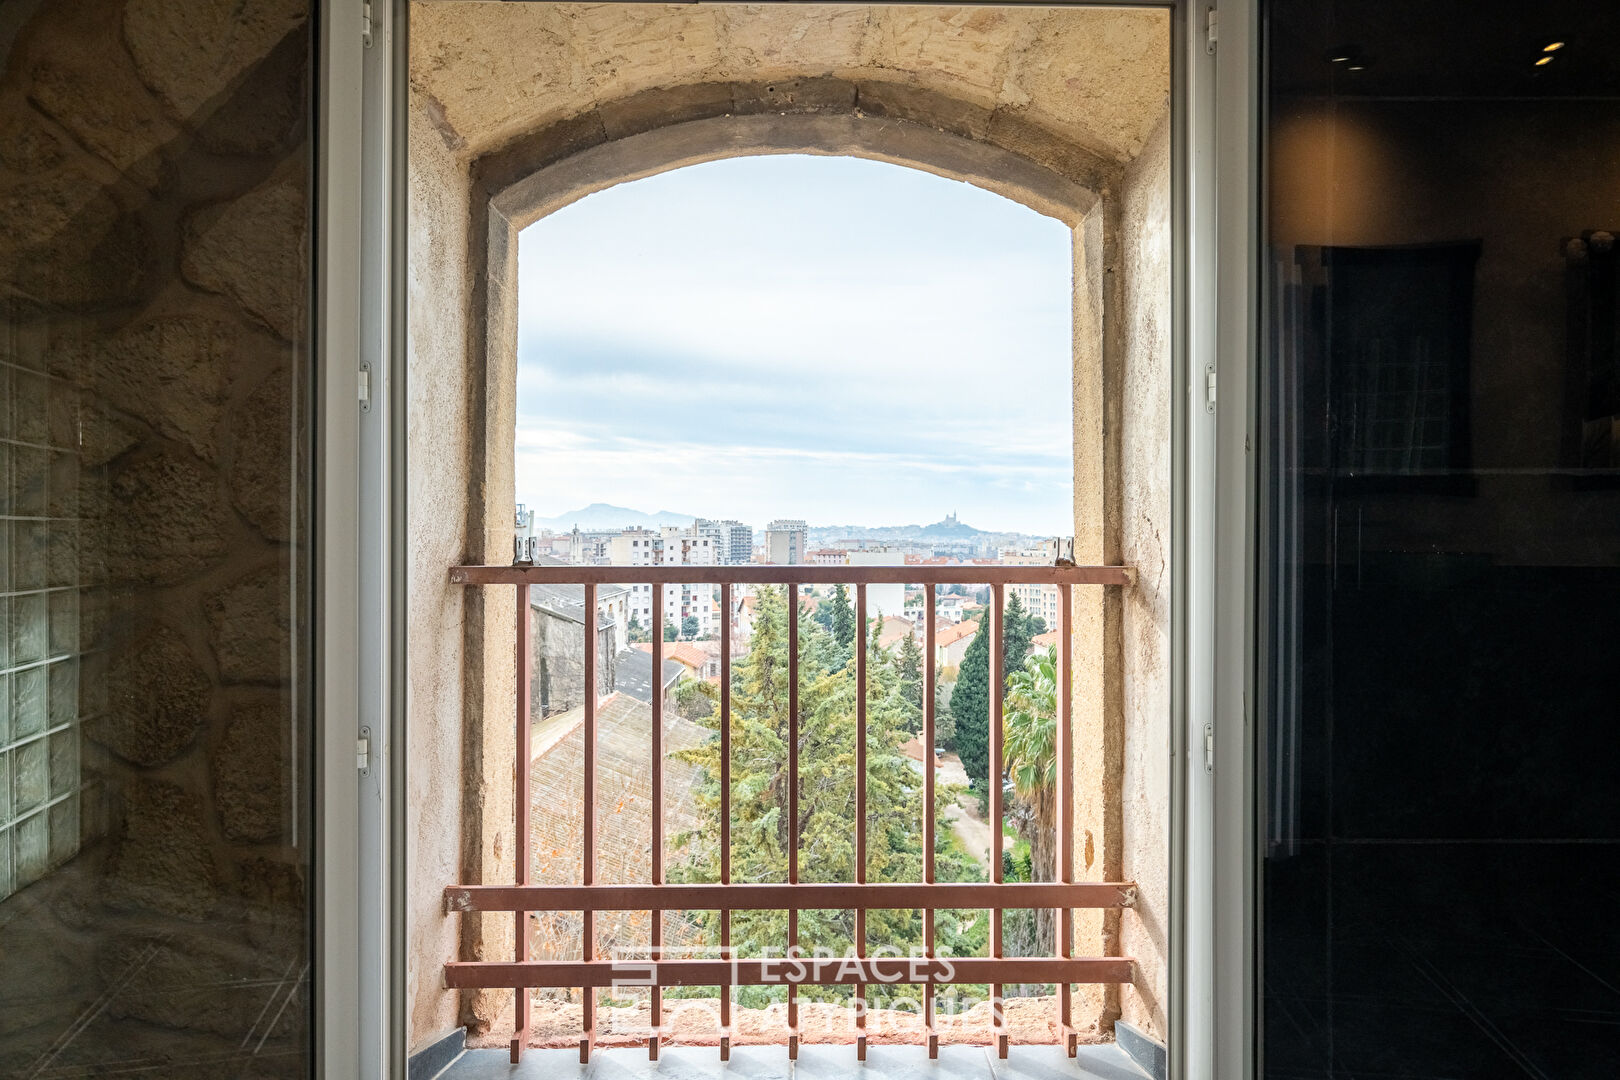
[
  {"x": 154, "y": 360},
  {"x": 1441, "y": 568}
]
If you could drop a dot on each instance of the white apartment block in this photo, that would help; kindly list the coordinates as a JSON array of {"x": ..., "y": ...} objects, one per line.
[
  {"x": 889, "y": 599},
  {"x": 947, "y": 611},
  {"x": 786, "y": 541},
  {"x": 1039, "y": 600},
  {"x": 669, "y": 546},
  {"x": 733, "y": 540}
]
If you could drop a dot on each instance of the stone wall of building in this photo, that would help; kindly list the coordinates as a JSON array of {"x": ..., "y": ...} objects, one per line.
[
  {"x": 557, "y": 681},
  {"x": 154, "y": 265},
  {"x": 1145, "y": 536}
]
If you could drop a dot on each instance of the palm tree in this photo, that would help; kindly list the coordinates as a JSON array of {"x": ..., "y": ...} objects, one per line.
[{"x": 1030, "y": 726}]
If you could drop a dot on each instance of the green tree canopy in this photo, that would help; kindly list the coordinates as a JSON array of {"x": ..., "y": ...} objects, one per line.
[
  {"x": 908, "y": 668},
  {"x": 1015, "y": 635},
  {"x": 1030, "y": 720},
  {"x": 761, "y": 833},
  {"x": 689, "y": 627},
  {"x": 843, "y": 618},
  {"x": 970, "y": 708}
]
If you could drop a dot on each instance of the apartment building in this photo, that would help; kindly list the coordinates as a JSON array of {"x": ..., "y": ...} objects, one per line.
[
  {"x": 733, "y": 540},
  {"x": 786, "y": 541},
  {"x": 1037, "y": 600},
  {"x": 669, "y": 546}
]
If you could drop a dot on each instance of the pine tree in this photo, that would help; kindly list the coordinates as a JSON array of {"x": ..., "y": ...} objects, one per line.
[
  {"x": 761, "y": 835},
  {"x": 970, "y": 708},
  {"x": 908, "y": 665}
]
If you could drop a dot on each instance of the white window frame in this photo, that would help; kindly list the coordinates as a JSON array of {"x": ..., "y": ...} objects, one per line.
[
  {"x": 359, "y": 266},
  {"x": 358, "y": 974}
]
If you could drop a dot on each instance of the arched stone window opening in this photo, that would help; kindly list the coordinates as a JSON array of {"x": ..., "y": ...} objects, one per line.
[{"x": 467, "y": 212}]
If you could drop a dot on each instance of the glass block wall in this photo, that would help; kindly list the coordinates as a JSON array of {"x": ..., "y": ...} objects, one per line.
[{"x": 39, "y": 665}]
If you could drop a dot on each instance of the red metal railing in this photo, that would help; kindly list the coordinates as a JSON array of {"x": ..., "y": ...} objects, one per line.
[{"x": 589, "y": 973}]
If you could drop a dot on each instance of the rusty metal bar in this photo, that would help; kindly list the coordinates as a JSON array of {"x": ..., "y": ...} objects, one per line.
[
  {"x": 725, "y": 808},
  {"x": 525, "y": 661},
  {"x": 757, "y": 574},
  {"x": 472, "y": 975},
  {"x": 1065, "y": 805},
  {"x": 776, "y": 896},
  {"x": 928, "y": 822},
  {"x": 995, "y": 618},
  {"x": 861, "y": 641},
  {"x": 656, "y": 915},
  {"x": 792, "y": 593},
  {"x": 587, "y": 927}
]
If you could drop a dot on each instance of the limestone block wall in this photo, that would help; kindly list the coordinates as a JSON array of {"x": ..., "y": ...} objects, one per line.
[
  {"x": 154, "y": 253},
  {"x": 1145, "y": 532}
]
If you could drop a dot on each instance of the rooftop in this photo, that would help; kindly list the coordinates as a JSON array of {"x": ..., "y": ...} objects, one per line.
[{"x": 632, "y": 674}]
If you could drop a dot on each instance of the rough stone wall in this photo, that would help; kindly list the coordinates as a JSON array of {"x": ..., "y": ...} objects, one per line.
[
  {"x": 440, "y": 434},
  {"x": 1145, "y": 526},
  {"x": 154, "y": 252},
  {"x": 558, "y": 676},
  {"x": 1096, "y": 78}
]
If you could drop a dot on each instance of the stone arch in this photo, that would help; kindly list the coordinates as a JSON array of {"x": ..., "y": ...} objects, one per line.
[{"x": 658, "y": 131}]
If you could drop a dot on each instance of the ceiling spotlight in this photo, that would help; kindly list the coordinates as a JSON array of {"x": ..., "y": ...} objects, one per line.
[
  {"x": 1355, "y": 67},
  {"x": 1552, "y": 46},
  {"x": 1544, "y": 61},
  {"x": 1340, "y": 59}
]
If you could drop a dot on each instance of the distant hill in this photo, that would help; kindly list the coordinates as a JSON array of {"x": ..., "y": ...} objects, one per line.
[
  {"x": 599, "y": 516},
  {"x": 949, "y": 528}
]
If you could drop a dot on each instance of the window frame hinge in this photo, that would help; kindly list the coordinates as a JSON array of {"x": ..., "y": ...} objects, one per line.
[
  {"x": 1212, "y": 29},
  {"x": 363, "y": 387},
  {"x": 362, "y": 752},
  {"x": 1211, "y": 387},
  {"x": 366, "y": 23},
  {"x": 1209, "y": 748}
]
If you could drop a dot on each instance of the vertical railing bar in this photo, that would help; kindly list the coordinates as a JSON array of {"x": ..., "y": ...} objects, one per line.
[
  {"x": 792, "y": 594},
  {"x": 928, "y": 806},
  {"x": 1065, "y": 803},
  {"x": 656, "y": 1013},
  {"x": 725, "y": 807},
  {"x": 587, "y": 918},
  {"x": 860, "y": 807},
  {"x": 521, "y": 1002},
  {"x": 997, "y": 684}
]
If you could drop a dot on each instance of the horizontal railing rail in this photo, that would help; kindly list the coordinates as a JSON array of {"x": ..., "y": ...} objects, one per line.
[
  {"x": 766, "y": 896},
  {"x": 847, "y": 971},
  {"x": 590, "y": 973},
  {"x": 758, "y": 574}
]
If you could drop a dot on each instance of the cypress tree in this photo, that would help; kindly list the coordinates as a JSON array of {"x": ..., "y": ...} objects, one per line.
[
  {"x": 1015, "y": 635},
  {"x": 843, "y": 618},
  {"x": 970, "y": 708}
]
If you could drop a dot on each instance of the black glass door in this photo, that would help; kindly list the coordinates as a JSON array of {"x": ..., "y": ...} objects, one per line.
[{"x": 1441, "y": 558}]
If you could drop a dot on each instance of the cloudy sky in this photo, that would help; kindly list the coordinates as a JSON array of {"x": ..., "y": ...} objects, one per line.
[{"x": 840, "y": 340}]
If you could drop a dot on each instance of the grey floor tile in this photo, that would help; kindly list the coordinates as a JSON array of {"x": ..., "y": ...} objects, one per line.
[
  {"x": 1104, "y": 1062},
  {"x": 692, "y": 1063},
  {"x": 892, "y": 1063},
  {"x": 497, "y": 1065},
  {"x": 815, "y": 1063}
]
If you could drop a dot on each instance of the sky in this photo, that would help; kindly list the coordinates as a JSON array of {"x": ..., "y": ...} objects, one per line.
[{"x": 834, "y": 339}]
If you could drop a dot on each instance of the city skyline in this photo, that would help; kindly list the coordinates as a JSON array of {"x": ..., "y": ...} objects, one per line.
[{"x": 699, "y": 336}]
